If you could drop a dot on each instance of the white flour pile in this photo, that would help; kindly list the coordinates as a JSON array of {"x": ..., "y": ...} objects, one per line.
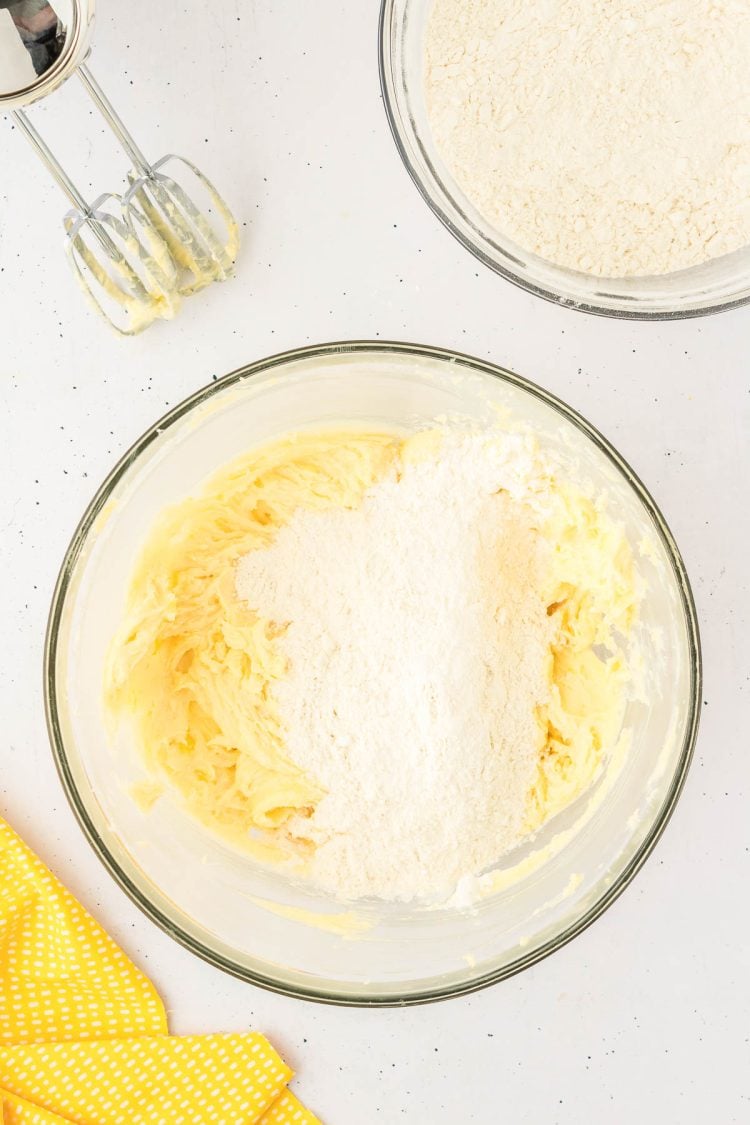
[
  {"x": 418, "y": 647},
  {"x": 609, "y": 136}
]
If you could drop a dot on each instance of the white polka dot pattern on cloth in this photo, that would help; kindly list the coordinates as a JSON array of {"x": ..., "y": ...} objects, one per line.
[
  {"x": 83, "y": 1033},
  {"x": 16, "y": 1111},
  {"x": 195, "y": 1080},
  {"x": 287, "y": 1110},
  {"x": 61, "y": 976}
]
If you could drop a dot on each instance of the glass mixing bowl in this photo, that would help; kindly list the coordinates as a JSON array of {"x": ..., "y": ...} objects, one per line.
[
  {"x": 713, "y": 287},
  {"x": 255, "y": 922}
]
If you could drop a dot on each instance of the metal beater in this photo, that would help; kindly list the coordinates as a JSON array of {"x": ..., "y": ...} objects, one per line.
[
  {"x": 137, "y": 254},
  {"x": 128, "y": 275}
]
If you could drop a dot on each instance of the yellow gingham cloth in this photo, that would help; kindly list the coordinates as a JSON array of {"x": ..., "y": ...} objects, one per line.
[{"x": 83, "y": 1033}]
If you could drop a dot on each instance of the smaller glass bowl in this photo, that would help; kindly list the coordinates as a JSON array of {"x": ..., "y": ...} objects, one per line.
[
  {"x": 258, "y": 923},
  {"x": 715, "y": 286}
]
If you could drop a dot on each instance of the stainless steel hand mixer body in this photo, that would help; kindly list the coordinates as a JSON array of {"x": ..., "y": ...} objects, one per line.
[{"x": 136, "y": 254}]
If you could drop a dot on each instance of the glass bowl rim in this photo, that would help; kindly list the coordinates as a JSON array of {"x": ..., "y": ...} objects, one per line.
[
  {"x": 62, "y": 755},
  {"x": 548, "y": 294}
]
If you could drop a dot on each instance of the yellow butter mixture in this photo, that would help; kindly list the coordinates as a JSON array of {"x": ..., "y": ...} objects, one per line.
[{"x": 194, "y": 669}]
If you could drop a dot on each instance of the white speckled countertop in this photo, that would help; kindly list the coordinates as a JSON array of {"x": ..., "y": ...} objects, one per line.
[{"x": 644, "y": 1017}]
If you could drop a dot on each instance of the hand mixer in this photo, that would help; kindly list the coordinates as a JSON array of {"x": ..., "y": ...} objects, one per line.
[{"x": 137, "y": 254}]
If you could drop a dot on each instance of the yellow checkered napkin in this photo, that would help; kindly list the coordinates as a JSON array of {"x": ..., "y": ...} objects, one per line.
[{"x": 83, "y": 1034}]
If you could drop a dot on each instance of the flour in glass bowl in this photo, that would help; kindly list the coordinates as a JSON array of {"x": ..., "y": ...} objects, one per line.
[
  {"x": 418, "y": 647},
  {"x": 607, "y": 136}
]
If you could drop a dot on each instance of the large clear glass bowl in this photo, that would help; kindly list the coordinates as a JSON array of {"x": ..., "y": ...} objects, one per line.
[
  {"x": 255, "y": 922},
  {"x": 713, "y": 287}
]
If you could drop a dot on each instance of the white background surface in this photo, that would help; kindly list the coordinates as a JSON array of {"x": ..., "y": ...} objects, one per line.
[{"x": 644, "y": 1017}]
